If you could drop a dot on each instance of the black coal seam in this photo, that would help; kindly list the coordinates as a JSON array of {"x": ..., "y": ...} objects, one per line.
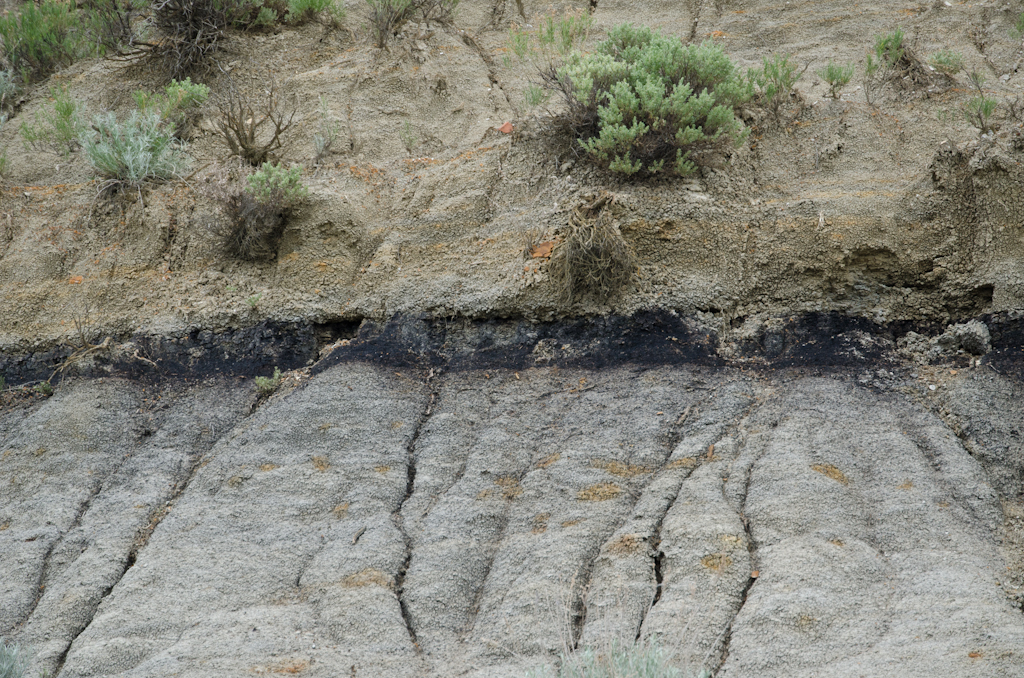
[
  {"x": 645, "y": 338},
  {"x": 410, "y": 486}
]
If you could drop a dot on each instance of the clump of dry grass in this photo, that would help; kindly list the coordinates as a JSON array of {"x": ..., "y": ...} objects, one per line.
[{"x": 594, "y": 259}]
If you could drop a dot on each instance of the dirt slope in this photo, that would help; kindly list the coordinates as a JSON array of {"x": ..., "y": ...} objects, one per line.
[{"x": 895, "y": 211}]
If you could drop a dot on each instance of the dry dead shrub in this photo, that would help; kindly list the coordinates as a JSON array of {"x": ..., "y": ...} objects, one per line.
[
  {"x": 388, "y": 16},
  {"x": 243, "y": 119},
  {"x": 594, "y": 259},
  {"x": 190, "y": 31}
]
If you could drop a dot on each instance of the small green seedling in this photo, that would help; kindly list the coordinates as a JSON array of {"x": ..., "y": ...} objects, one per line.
[
  {"x": 267, "y": 385},
  {"x": 837, "y": 76},
  {"x": 947, "y": 62}
]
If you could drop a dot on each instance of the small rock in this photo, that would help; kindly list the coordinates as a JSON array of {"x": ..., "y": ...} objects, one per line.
[{"x": 972, "y": 337}]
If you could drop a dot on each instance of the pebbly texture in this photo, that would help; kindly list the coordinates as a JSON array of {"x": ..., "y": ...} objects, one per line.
[{"x": 391, "y": 521}]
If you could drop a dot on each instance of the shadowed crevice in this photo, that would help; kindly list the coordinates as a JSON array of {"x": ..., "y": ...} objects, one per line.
[
  {"x": 410, "y": 486},
  {"x": 44, "y": 571},
  {"x": 754, "y": 567},
  {"x": 164, "y": 507}
]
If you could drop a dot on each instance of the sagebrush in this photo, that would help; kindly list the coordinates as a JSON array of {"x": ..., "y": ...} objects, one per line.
[
  {"x": 645, "y": 658},
  {"x": 9, "y": 90},
  {"x": 256, "y": 215},
  {"x": 646, "y": 103},
  {"x": 129, "y": 153},
  {"x": 14, "y": 660}
]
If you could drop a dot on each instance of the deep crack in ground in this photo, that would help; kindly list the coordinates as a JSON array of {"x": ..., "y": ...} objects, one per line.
[{"x": 410, "y": 486}]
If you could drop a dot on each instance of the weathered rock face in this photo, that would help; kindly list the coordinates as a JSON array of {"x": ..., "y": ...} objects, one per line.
[{"x": 381, "y": 520}]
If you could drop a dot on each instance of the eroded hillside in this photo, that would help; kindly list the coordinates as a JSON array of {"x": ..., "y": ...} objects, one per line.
[
  {"x": 894, "y": 211},
  {"x": 783, "y": 450}
]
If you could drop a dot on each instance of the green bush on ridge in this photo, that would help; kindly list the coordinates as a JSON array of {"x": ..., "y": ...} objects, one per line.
[
  {"x": 837, "y": 76},
  {"x": 327, "y": 12},
  {"x": 774, "y": 80},
  {"x": 645, "y": 103},
  {"x": 257, "y": 214},
  {"x": 56, "y": 129},
  {"x": 176, "y": 104}
]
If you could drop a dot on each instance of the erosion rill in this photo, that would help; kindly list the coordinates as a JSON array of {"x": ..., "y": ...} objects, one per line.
[{"x": 764, "y": 419}]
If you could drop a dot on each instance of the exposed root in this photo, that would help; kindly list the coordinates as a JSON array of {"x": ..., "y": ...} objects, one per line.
[{"x": 593, "y": 259}]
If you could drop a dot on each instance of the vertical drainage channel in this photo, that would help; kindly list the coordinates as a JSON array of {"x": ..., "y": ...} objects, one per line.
[
  {"x": 659, "y": 581},
  {"x": 410, "y": 485},
  {"x": 141, "y": 540},
  {"x": 752, "y": 550}
]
